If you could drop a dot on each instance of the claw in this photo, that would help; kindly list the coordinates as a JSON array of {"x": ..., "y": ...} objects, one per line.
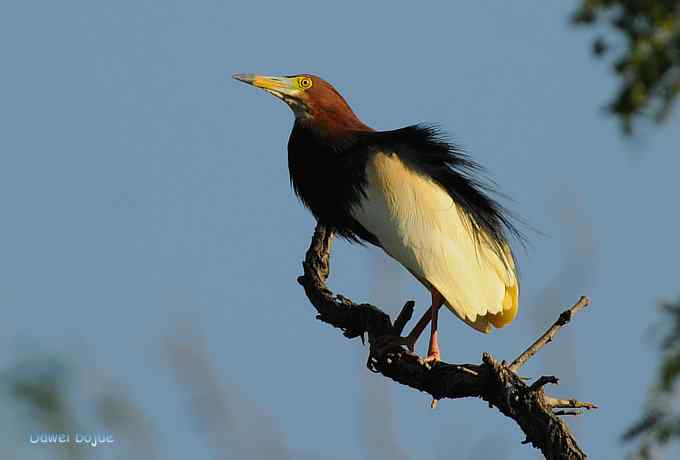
[
  {"x": 387, "y": 343},
  {"x": 433, "y": 358}
]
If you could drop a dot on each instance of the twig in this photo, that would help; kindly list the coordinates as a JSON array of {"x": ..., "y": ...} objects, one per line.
[
  {"x": 542, "y": 381},
  {"x": 564, "y": 318},
  {"x": 569, "y": 403},
  {"x": 492, "y": 381},
  {"x": 404, "y": 317}
]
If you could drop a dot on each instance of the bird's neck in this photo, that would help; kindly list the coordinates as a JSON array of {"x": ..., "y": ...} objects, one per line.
[
  {"x": 332, "y": 125},
  {"x": 327, "y": 173}
]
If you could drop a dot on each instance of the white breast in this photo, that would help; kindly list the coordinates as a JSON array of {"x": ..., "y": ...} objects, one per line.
[{"x": 419, "y": 224}]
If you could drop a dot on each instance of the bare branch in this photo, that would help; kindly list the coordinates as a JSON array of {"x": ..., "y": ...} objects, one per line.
[
  {"x": 404, "y": 317},
  {"x": 542, "y": 381},
  {"x": 564, "y": 318},
  {"x": 569, "y": 403},
  {"x": 493, "y": 381}
]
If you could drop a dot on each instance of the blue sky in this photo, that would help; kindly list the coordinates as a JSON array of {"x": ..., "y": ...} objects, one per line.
[{"x": 146, "y": 201}]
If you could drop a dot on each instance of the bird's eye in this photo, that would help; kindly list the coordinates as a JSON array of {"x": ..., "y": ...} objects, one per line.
[{"x": 305, "y": 83}]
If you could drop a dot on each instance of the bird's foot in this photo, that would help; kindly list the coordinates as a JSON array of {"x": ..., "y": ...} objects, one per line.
[
  {"x": 388, "y": 343},
  {"x": 432, "y": 358},
  {"x": 433, "y": 354}
]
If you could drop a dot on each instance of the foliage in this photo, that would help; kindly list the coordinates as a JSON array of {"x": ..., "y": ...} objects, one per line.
[
  {"x": 660, "y": 423},
  {"x": 40, "y": 387},
  {"x": 649, "y": 66}
]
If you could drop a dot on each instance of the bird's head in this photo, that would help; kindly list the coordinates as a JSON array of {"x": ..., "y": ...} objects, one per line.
[{"x": 313, "y": 100}]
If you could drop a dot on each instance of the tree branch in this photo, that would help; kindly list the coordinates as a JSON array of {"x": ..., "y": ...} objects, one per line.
[
  {"x": 546, "y": 338},
  {"x": 492, "y": 381}
]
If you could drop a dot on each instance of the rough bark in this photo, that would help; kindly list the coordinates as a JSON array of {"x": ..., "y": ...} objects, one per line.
[{"x": 493, "y": 381}]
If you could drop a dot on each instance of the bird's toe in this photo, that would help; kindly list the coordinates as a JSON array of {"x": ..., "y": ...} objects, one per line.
[{"x": 389, "y": 343}]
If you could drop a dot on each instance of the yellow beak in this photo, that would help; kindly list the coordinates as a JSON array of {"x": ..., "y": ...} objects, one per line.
[{"x": 282, "y": 85}]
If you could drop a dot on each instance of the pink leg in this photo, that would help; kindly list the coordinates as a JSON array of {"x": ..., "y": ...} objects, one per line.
[
  {"x": 433, "y": 349},
  {"x": 418, "y": 329}
]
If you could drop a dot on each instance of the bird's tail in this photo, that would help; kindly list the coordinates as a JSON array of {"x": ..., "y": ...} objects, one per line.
[{"x": 483, "y": 323}]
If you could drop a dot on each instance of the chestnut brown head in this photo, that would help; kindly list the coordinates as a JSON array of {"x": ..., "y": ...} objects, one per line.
[{"x": 313, "y": 100}]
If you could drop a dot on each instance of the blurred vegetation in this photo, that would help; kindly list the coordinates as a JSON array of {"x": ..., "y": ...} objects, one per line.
[
  {"x": 47, "y": 389},
  {"x": 54, "y": 394},
  {"x": 40, "y": 387},
  {"x": 659, "y": 425},
  {"x": 644, "y": 38}
]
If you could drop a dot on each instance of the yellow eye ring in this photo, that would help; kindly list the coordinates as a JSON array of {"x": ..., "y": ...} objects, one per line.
[{"x": 305, "y": 83}]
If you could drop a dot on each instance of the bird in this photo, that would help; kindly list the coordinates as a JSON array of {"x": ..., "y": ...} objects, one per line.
[{"x": 410, "y": 192}]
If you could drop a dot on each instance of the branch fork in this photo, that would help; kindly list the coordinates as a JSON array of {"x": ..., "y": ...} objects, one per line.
[{"x": 495, "y": 382}]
